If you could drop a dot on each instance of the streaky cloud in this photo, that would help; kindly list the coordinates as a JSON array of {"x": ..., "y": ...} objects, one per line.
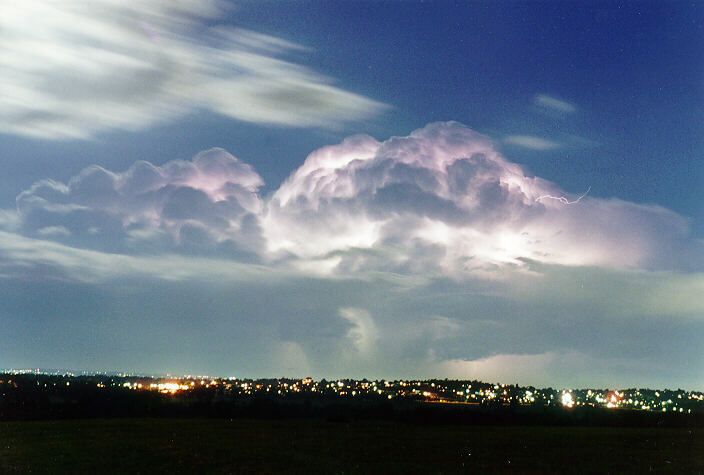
[
  {"x": 553, "y": 103},
  {"x": 71, "y": 70},
  {"x": 531, "y": 142}
]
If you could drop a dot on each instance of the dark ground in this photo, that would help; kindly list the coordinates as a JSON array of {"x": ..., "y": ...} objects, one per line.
[{"x": 185, "y": 445}]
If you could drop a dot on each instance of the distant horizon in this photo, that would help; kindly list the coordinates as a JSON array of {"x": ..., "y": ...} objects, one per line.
[{"x": 130, "y": 374}]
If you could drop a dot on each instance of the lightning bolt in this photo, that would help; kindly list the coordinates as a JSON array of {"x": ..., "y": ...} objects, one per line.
[{"x": 562, "y": 199}]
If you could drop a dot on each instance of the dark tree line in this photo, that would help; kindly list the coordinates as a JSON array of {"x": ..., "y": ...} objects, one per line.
[{"x": 33, "y": 397}]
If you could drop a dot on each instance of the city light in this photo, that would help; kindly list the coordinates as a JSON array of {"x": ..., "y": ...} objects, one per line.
[
  {"x": 430, "y": 392},
  {"x": 567, "y": 399}
]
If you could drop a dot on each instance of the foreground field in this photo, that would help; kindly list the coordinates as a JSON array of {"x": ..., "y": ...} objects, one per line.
[{"x": 318, "y": 446}]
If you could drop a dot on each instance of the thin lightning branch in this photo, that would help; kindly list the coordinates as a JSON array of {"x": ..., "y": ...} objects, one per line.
[{"x": 562, "y": 199}]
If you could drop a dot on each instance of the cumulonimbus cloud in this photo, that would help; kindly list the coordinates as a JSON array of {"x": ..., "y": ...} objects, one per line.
[
  {"x": 210, "y": 199},
  {"x": 441, "y": 201},
  {"x": 71, "y": 69},
  {"x": 444, "y": 199}
]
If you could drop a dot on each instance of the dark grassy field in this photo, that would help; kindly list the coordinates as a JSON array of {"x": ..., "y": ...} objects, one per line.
[{"x": 318, "y": 446}]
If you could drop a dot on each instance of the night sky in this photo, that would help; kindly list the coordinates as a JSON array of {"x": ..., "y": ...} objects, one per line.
[{"x": 504, "y": 191}]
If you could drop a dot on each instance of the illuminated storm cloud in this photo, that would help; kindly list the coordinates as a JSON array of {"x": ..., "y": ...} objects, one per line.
[
  {"x": 210, "y": 199},
  {"x": 441, "y": 201},
  {"x": 430, "y": 253},
  {"x": 444, "y": 199}
]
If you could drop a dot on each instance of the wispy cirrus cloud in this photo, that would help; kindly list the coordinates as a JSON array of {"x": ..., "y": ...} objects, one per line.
[
  {"x": 531, "y": 142},
  {"x": 70, "y": 70},
  {"x": 9, "y": 220},
  {"x": 554, "y": 104}
]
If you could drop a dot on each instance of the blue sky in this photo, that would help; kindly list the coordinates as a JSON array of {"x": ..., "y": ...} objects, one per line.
[{"x": 457, "y": 249}]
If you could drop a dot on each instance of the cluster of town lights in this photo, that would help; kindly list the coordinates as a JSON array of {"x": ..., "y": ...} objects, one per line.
[
  {"x": 426, "y": 391},
  {"x": 429, "y": 391}
]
